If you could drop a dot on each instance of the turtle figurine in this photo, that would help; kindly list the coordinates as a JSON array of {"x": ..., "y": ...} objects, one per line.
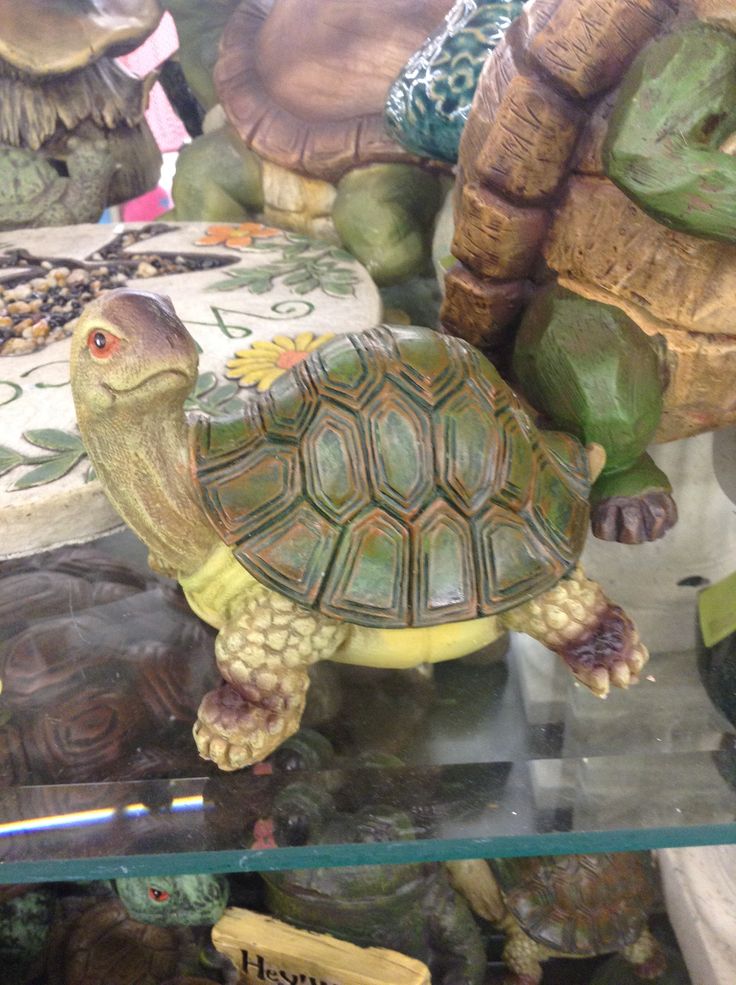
[
  {"x": 34, "y": 193},
  {"x": 595, "y": 232},
  {"x": 306, "y": 140},
  {"x": 566, "y": 906},
  {"x": 147, "y": 933},
  {"x": 386, "y": 502},
  {"x": 407, "y": 907}
]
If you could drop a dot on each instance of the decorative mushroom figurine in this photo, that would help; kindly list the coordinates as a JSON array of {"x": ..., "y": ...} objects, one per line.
[
  {"x": 387, "y": 502},
  {"x": 73, "y": 138},
  {"x": 599, "y": 149},
  {"x": 307, "y": 141}
]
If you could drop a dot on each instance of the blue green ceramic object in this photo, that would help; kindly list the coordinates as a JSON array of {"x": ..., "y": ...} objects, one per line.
[{"x": 429, "y": 103}]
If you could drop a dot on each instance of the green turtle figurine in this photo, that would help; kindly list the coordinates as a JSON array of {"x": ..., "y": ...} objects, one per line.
[
  {"x": 408, "y": 907},
  {"x": 566, "y": 906},
  {"x": 596, "y": 200},
  {"x": 306, "y": 141},
  {"x": 145, "y": 934},
  {"x": 386, "y": 502}
]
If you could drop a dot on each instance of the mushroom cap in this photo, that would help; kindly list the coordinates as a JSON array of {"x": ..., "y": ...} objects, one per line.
[
  {"x": 69, "y": 34},
  {"x": 304, "y": 82}
]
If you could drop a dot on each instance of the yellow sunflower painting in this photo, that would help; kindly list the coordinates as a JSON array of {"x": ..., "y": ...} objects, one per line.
[{"x": 264, "y": 362}]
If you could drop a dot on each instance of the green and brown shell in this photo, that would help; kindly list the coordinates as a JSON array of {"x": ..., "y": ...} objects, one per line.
[
  {"x": 579, "y": 904},
  {"x": 392, "y": 479}
]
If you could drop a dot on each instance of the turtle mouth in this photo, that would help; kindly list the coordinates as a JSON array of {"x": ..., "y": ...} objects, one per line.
[{"x": 120, "y": 391}]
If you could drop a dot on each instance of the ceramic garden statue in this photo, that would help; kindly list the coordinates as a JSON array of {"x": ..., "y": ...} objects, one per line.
[
  {"x": 386, "y": 502},
  {"x": 73, "y": 138},
  {"x": 596, "y": 204},
  {"x": 307, "y": 142},
  {"x": 566, "y": 906}
]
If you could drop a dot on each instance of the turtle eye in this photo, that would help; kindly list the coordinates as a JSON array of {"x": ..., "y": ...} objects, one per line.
[
  {"x": 101, "y": 344},
  {"x": 157, "y": 895}
]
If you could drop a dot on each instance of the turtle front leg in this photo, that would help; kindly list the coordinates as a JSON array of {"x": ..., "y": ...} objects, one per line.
[
  {"x": 646, "y": 956},
  {"x": 263, "y": 653},
  {"x": 594, "y": 637}
]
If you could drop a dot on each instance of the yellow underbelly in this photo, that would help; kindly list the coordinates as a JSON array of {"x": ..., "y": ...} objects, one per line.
[{"x": 215, "y": 588}]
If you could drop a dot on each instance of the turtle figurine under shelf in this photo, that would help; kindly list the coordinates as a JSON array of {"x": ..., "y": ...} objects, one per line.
[
  {"x": 408, "y": 907},
  {"x": 386, "y": 502},
  {"x": 596, "y": 200},
  {"x": 149, "y": 932},
  {"x": 566, "y": 906},
  {"x": 305, "y": 139}
]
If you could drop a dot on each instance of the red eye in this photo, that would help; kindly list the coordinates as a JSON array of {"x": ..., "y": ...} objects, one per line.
[
  {"x": 157, "y": 895},
  {"x": 102, "y": 344}
]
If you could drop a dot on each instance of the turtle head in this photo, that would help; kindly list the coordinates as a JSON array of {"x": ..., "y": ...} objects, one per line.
[
  {"x": 130, "y": 350},
  {"x": 170, "y": 900}
]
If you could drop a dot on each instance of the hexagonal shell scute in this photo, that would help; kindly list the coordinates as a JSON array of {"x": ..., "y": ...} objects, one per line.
[{"x": 392, "y": 479}]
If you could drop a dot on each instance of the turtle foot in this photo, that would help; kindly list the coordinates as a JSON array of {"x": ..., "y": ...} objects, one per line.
[
  {"x": 634, "y": 519},
  {"x": 232, "y": 732},
  {"x": 608, "y": 651},
  {"x": 654, "y": 965}
]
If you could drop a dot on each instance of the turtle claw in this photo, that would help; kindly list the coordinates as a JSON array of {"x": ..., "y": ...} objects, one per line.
[
  {"x": 609, "y": 653},
  {"x": 233, "y": 733},
  {"x": 634, "y": 519}
]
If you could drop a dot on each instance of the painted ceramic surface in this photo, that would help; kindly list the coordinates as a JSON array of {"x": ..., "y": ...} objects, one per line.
[
  {"x": 276, "y": 292},
  {"x": 429, "y": 103}
]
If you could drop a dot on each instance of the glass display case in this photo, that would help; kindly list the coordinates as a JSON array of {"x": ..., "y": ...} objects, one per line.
[{"x": 495, "y": 755}]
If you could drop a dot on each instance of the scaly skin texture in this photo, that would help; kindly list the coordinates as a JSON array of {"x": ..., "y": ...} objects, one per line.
[
  {"x": 263, "y": 652},
  {"x": 595, "y": 638}
]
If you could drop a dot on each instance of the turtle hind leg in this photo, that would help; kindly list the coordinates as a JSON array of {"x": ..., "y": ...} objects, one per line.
[
  {"x": 646, "y": 956},
  {"x": 634, "y": 506},
  {"x": 263, "y": 653},
  {"x": 594, "y": 637},
  {"x": 523, "y": 957}
]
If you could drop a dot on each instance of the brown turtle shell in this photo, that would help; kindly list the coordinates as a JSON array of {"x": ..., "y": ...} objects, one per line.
[
  {"x": 536, "y": 97},
  {"x": 392, "y": 479},
  {"x": 108, "y": 947},
  {"x": 304, "y": 82},
  {"x": 579, "y": 904}
]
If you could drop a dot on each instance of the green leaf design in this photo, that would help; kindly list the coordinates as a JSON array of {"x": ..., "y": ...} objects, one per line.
[
  {"x": 338, "y": 290},
  {"x": 9, "y": 459},
  {"x": 55, "y": 440},
  {"x": 337, "y": 254},
  {"x": 55, "y": 468},
  {"x": 205, "y": 382}
]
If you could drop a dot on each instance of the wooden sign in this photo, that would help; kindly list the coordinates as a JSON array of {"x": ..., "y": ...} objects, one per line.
[{"x": 264, "y": 949}]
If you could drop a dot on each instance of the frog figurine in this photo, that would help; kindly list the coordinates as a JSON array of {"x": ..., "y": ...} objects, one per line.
[
  {"x": 409, "y": 907},
  {"x": 386, "y": 502},
  {"x": 595, "y": 233}
]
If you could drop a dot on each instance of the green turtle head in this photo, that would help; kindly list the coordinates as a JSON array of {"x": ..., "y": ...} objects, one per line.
[
  {"x": 174, "y": 900},
  {"x": 130, "y": 350}
]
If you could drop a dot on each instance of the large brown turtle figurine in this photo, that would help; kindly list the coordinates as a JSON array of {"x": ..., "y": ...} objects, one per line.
[
  {"x": 303, "y": 85},
  {"x": 566, "y": 906},
  {"x": 597, "y": 153},
  {"x": 386, "y": 502}
]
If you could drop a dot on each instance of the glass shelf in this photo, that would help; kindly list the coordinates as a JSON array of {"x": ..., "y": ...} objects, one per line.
[{"x": 501, "y": 756}]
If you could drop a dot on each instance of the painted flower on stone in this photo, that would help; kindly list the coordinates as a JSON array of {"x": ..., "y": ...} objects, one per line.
[
  {"x": 237, "y": 237},
  {"x": 264, "y": 362}
]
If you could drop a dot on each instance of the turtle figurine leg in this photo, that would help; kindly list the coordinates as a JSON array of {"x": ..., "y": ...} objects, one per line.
[
  {"x": 91, "y": 167},
  {"x": 646, "y": 956},
  {"x": 384, "y": 214},
  {"x": 263, "y": 653},
  {"x": 590, "y": 369},
  {"x": 594, "y": 637}
]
